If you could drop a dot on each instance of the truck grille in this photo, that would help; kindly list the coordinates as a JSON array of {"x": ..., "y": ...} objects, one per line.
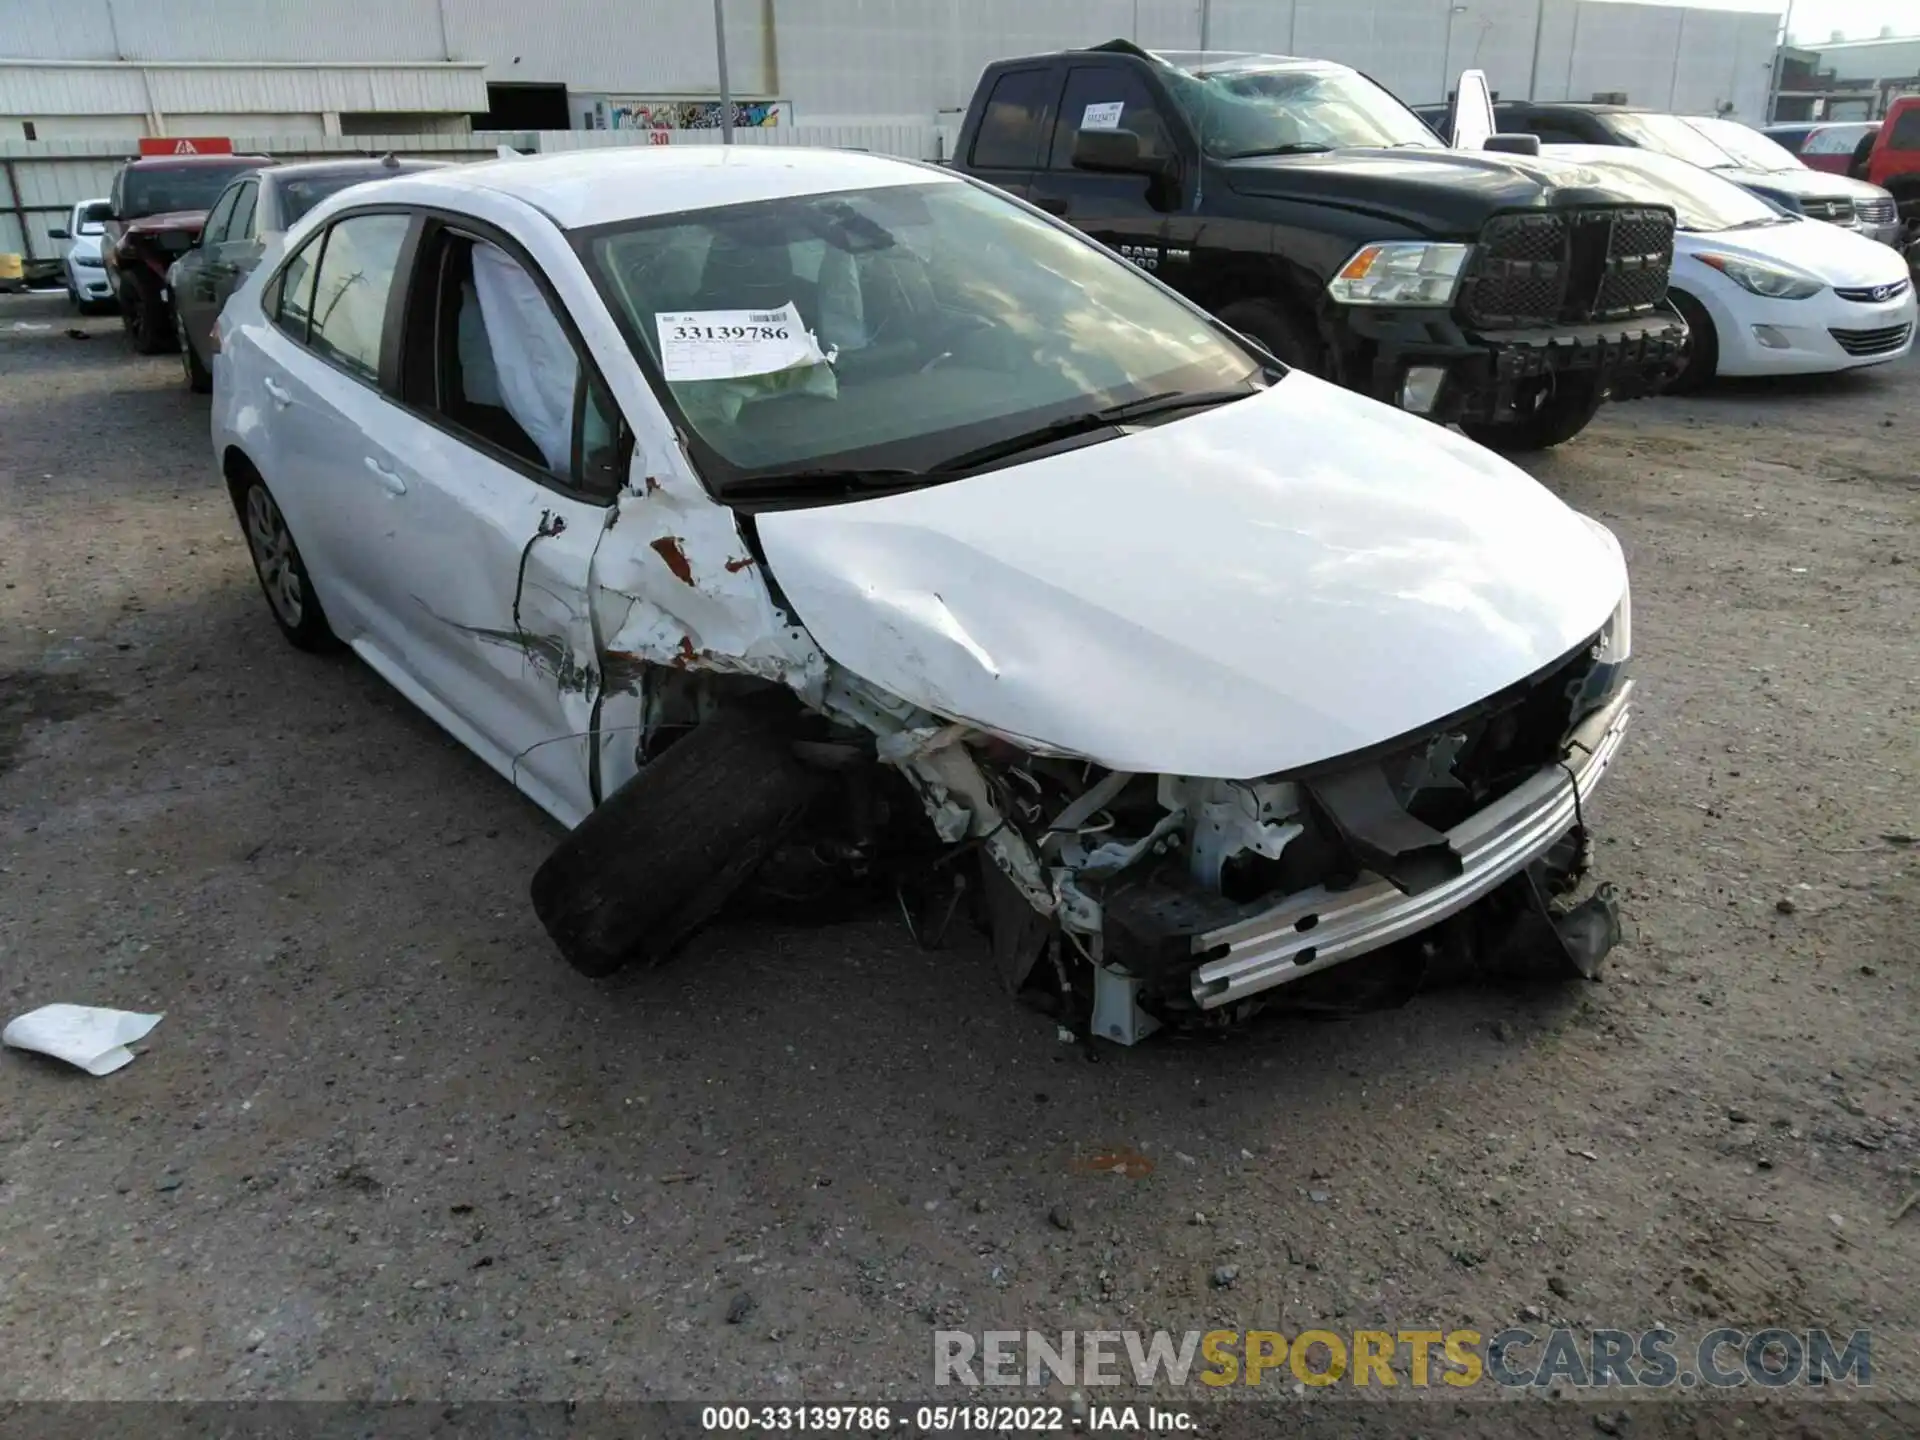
[
  {"x": 1837, "y": 212},
  {"x": 1874, "y": 212},
  {"x": 1872, "y": 342},
  {"x": 1569, "y": 267}
]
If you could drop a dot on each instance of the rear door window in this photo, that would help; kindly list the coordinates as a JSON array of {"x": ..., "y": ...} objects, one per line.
[
  {"x": 1906, "y": 130},
  {"x": 351, "y": 286},
  {"x": 1010, "y": 126},
  {"x": 215, "y": 230},
  {"x": 240, "y": 227},
  {"x": 290, "y": 299}
]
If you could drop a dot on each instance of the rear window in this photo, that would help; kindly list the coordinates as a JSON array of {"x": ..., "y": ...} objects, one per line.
[
  {"x": 161, "y": 189},
  {"x": 1009, "y": 137},
  {"x": 297, "y": 197}
]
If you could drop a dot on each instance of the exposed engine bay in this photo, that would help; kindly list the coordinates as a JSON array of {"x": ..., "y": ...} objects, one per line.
[{"x": 1126, "y": 902}]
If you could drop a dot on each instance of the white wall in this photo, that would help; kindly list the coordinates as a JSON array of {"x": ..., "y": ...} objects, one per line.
[{"x": 909, "y": 60}]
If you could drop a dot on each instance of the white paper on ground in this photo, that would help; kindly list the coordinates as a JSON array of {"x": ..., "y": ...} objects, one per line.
[
  {"x": 734, "y": 344},
  {"x": 96, "y": 1040},
  {"x": 1102, "y": 117}
]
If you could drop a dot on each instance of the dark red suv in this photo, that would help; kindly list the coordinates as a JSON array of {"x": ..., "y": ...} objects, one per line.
[{"x": 159, "y": 206}]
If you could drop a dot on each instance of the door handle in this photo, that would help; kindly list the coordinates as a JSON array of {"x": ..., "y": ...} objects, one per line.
[
  {"x": 393, "y": 484},
  {"x": 281, "y": 395},
  {"x": 1052, "y": 204}
]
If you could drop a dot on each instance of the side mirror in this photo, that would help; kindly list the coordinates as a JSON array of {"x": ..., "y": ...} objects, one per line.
[
  {"x": 58, "y": 232},
  {"x": 1115, "y": 152},
  {"x": 1513, "y": 144}
]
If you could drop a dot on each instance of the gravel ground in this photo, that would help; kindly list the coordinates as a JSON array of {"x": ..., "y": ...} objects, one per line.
[{"x": 384, "y": 1144}]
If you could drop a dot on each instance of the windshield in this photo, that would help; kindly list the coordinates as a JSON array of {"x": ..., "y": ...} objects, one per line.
[
  {"x": 1701, "y": 203},
  {"x": 1670, "y": 135},
  {"x": 1752, "y": 149},
  {"x": 161, "y": 189},
  {"x": 94, "y": 216},
  {"x": 897, "y": 327},
  {"x": 1245, "y": 109}
]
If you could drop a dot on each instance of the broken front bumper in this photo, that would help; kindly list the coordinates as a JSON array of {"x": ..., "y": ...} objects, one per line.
[
  {"x": 1314, "y": 929},
  {"x": 1485, "y": 373}
]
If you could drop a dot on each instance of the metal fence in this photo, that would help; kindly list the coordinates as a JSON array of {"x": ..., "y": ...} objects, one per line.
[{"x": 42, "y": 180}]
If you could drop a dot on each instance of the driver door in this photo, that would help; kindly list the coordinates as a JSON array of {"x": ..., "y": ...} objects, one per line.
[{"x": 1130, "y": 214}]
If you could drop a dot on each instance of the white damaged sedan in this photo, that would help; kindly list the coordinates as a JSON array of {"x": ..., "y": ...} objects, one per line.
[{"x": 801, "y": 518}]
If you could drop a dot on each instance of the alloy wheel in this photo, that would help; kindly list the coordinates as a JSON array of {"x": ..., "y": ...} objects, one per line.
[{"x": 274, "y": 557}]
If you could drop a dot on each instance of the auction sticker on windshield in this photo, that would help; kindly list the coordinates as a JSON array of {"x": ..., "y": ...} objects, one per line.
[
  {"x": 1102, "y": 117},
  {"x": 733, "y": 344}
]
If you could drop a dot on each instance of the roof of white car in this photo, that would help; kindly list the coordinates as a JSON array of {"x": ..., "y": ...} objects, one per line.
[{"x": 596, "y": 187}]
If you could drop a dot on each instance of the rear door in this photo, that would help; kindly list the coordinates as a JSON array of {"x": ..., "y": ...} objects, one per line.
[
  {"x": 1127, "y": 212},
  {"x": 1473, "y": 122},
  {"x": 1013, "y": 126}
]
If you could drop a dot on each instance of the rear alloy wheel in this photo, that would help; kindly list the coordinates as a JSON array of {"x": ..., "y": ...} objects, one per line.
[
  {"x": 283, "y": 575},
  {"x": 1559, "y": 413},
  {"x": 1702, "y": 359},
  {"x": 199, "y": 378}
]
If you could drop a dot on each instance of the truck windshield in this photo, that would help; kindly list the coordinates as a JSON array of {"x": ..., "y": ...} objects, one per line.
[
  {"x": 1248, "y": 109},
  {"x": 161, "y": 189},
  {"x": 1670, "y": 135},
  {"x": 882, "y": 334},
  {"x": 1753, "y": 150}
]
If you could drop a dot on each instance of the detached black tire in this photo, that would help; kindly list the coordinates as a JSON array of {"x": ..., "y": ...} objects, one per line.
[
  {"x": 1703, "y": 346},
  {"x": 664, "y": 852},
  {"x": 1559, "y": 417},
  {"x": 144, "y": 314},
  {"x": 1287, "y": 339}
]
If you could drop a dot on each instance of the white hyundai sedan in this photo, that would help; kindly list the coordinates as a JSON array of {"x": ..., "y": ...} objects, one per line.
[
  {"x": 818, "y": 518},
  {"x": 1766, "y": 293}
]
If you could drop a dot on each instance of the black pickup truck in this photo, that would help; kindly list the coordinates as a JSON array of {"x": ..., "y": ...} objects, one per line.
[{"x": 1312, "y": 211}]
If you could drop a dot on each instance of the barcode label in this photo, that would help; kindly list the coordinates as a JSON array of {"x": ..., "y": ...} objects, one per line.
[{"x": 770, "y": 317}]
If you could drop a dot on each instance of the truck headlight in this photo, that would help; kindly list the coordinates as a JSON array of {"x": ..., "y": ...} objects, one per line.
[
  {"x": 1772, "y": 282},
  {"x": 1400, "y": 272}
]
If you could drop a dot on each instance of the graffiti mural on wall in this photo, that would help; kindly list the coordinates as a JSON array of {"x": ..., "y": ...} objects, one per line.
[{"x": 617, "y": 114}]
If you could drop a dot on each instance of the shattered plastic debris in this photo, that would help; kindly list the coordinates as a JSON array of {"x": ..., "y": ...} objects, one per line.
[{"x": 96, "y": 1040}]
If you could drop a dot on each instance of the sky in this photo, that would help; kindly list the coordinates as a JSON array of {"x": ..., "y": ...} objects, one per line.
[{"x": 1815, "y": 20}]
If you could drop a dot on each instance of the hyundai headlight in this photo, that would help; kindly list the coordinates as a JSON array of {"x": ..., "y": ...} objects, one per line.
[
  {"x": 1773, "y": 282},
  {"x": 1401, "y": 272}
]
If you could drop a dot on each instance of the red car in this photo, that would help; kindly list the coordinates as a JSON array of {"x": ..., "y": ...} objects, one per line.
[
  {"x": 159, "y": 206},
  {"x": 1894, "y": 165}
]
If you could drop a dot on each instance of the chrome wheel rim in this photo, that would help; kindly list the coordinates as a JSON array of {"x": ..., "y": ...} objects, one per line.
[{"x": 273, "y": 556}]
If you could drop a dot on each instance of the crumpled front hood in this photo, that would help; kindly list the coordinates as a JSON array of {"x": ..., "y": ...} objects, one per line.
[
  {"x": 1254, "y": 588},
  {"x": 1439, "y": 192}
]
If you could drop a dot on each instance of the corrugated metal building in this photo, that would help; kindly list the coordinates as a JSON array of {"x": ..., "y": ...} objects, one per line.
[{"x": 85, "y": 68}]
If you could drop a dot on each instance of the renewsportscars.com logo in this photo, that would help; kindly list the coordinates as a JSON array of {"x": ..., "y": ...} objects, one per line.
[{"x": 1515, "y": 1358}]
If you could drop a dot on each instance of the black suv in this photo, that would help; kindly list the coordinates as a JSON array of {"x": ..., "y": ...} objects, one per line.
[{"x": 1312, "y": 211}]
